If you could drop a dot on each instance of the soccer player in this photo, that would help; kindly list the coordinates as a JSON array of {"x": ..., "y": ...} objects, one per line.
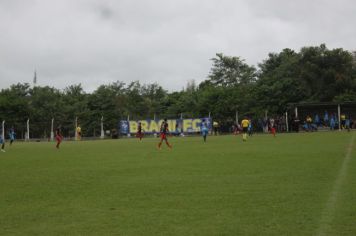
[
  {"x": 12, "y": 135},
  {"x": 59, "y": 137},
  {"x": 139, "y": 131},
  {"x": 2, "y": 142},
  {"x": 204, "y": 129},
  {"x": 244, "y": 125},
  {"x": 163, "y": 134},
  {"x": 79, "y": 133}
]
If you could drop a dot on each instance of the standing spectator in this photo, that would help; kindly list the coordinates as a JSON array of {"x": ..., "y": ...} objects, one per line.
[
  {"x": 309, "y": 121},
  {"x": 265, "y": 125},
  {"x": 260, "y": 124},
  {"x": 352, "y": 123},
  {"x": 347, "y": 124},
  {"x": 236, "y": 129},
  {"x": 271, "y": 123},
  {"x": 249, "y": 128},
  {"x": 215, "y": 127},
  {"x": 332, "y": 123},
  {"x": 326, "y": 118},
  {"x": 317, "y": 120},
  {"x": 272, "y": 127},
  {"x": 296, "y": 122}
]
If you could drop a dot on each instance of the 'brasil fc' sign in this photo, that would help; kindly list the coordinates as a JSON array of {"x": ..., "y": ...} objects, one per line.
[{"x": 174, "y": 126}]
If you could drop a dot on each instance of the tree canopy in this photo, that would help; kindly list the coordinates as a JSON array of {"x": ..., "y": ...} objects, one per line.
[{"x": 314, "y": 74}]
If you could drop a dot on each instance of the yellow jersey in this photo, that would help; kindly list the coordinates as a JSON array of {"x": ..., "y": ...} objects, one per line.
[{"x": 245, "y": 123}]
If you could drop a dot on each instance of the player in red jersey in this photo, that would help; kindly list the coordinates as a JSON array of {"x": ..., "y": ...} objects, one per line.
[
  {"x": 272, "y": 127},
  {"x": 163, "y": 134},
  {"x": 139, "y": 131},
  {"x": 59, "y": 137}
]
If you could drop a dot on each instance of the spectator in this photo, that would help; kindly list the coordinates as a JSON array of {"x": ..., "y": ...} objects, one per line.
[
  {"x": 347, "y": 124},
  {"x": 309, "y": 121},
  {"x": 296, "y": 122},
  {"x": 326, "y": 118},
  {"x": 215, "y": 127},
  {"x": 332, "y": 123},
  {"x": 343, "y": 121},
  {"x": 271, "y": 123},
  {"x": 265, "y": 125},
  {"x": 249, "y": 128},
  {"x": 317, "y": 120}
]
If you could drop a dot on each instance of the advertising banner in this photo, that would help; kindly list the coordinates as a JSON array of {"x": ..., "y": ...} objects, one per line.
[{"x": 174, "y": 125}]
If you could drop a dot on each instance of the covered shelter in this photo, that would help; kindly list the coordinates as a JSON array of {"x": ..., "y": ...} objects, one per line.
[{"x": 323, "y": 110}]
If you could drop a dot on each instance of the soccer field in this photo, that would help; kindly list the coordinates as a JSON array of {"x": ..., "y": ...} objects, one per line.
[{"x": 294, "y": 184}]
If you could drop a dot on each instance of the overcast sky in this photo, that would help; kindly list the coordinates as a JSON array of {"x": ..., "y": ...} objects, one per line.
[{"x": 170, "y": 42}]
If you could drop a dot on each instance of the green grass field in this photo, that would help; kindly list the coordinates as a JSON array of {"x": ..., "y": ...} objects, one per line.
[{"x": 294, "y": 184}]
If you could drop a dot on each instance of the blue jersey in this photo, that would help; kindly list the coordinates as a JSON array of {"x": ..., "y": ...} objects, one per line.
[
  {"x": 347, "y": 122},
  {"x": 204, "y": 129},
  {"x": 332, "y": 122},
  {"x": 249, "y": 127},
  {"x": 12, "y": 135},
  {"x": 326, "y": 116}
]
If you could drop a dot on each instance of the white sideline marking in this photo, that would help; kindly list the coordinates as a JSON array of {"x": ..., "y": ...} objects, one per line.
[{"x": 328, "y": 213}]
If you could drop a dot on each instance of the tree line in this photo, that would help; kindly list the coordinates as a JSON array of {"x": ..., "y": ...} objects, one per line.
[{"x": 314, "y": 74}]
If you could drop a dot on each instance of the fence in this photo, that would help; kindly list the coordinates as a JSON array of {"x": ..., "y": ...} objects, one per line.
[
  {"x": 27, "y": 129},
  {"x": 44, "y": 130}
]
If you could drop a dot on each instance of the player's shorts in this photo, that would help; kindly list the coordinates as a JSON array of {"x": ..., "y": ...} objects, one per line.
[
  {"x": 59, "y": 138},
  {"x": 244, "y": 129},
  {"x": 163, "y": 136},
  {"x": 204, "y": 132}
]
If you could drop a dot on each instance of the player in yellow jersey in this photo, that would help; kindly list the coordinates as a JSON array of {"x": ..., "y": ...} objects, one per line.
[
  {"x": 244, "y": 124},
  {"x": 79, "y": 133}
]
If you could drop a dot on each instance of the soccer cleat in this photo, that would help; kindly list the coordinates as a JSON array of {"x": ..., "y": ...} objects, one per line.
[{"x": 3, "y": 150}]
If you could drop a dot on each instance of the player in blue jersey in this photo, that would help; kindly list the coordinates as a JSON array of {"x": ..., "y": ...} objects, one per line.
[
  {"x": 204, "y": 129},
  {"x": 2, "y": 142},
  {"x": 12, "y": 135}
]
